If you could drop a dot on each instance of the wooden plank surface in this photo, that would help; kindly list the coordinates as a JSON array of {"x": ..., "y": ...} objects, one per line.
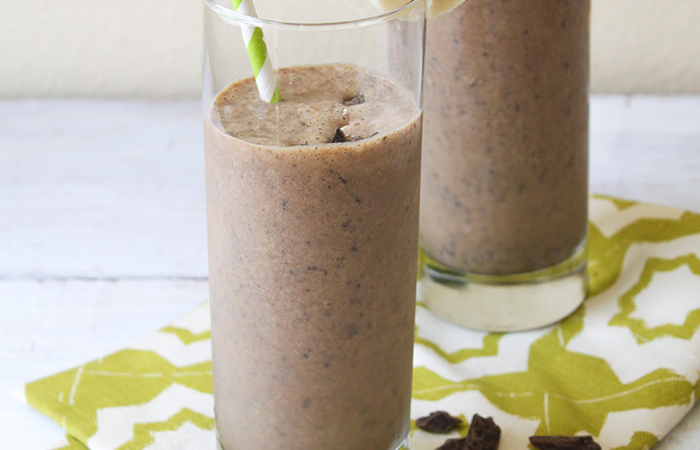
[
  {"x": 102, "y": 224},
  {"x": 647, "y": 148},
  {"x": 101, "y": 189}
]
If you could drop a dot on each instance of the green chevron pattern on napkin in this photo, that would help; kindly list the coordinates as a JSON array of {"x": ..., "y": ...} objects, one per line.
[{"x": 624, "y": 367}]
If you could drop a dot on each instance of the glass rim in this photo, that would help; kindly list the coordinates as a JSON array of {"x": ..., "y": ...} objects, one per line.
[{"x": 228, "y": 12}]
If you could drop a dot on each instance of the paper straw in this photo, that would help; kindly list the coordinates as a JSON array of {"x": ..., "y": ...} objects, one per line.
[{"x": 257, "y": 52}]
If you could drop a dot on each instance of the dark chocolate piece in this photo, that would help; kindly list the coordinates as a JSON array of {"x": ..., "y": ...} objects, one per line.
[
  {"x": 564, "y": 443},
  {"x": 454, "y": 444},
  {"x": 438, "y": 422},
  {"x": 483, "y": 434},
  {"x": 339, "y": 136},
  {"x": 355, "y": 101}
]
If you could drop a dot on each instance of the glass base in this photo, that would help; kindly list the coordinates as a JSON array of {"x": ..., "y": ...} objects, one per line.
[
  {"x": 405, "y": 445},
  {"x": 504, "y": 302}
]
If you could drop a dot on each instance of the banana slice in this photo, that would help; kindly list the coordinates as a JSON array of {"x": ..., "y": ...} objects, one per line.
[
  {"x": 388, "y": 5},
  {"x": 435, "y": 7},
  {"x": 440, "y": 7}
]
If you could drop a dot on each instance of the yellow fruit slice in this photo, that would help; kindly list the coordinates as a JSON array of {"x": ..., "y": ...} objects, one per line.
[
  {"x": 440, "y": 7},
  {"x": 435, "y": 7},
  {"x": 388, "y": 5}
]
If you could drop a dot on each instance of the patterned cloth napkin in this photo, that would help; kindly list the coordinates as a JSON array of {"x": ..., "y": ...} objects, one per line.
[{"x": 623, "y": 368}]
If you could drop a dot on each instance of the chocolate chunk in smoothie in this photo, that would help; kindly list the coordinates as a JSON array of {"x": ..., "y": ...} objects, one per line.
[
  {"x": 355, "y": 100},
  {"x": 339, "y": 136},
  {"x": 564, "y": 443},
  {"x": 438, "y": 422}
]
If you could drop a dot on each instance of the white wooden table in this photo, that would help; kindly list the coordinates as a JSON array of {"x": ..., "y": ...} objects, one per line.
[{"x": 102, "y": 224}]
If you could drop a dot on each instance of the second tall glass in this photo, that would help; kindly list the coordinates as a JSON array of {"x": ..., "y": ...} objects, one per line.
[{"x": 504, "y": 196}]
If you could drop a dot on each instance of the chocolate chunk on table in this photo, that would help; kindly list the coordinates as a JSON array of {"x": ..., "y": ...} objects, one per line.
[
  {"x": 438, "y": 422},
  {"x": 483, "y": 434},
  {"x": 454, "y": 444},
  {"x": 564, "y": 443}
]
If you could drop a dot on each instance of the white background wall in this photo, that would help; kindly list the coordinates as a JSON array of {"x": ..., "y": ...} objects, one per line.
[{"x": 151, "y": 48}]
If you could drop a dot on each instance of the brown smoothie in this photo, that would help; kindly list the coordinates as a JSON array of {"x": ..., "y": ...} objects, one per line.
[
  {"x": 312, "y": 257},
  {"x": 506, "y": 135}
]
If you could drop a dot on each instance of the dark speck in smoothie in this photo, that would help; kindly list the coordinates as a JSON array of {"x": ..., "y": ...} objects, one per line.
[
  {"x": 351, "y": 330},
  {"x": 339, "y": 176}
]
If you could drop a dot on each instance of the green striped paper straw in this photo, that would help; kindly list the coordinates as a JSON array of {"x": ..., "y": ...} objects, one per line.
[{"x": 257, "y": 52}]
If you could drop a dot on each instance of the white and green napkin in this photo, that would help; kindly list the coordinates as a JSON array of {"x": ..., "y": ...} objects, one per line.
[{"x": 623, "y": 368}]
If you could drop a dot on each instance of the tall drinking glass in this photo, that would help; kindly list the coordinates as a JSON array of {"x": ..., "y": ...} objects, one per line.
[
  {"x": 505, "y": 179},
  {"x": 312, "y": 217}
]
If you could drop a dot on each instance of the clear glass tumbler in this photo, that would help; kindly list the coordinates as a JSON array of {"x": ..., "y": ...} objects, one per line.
[
  {"x": 505, "y": 164},
  {"x": 312, "y": 219}
]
